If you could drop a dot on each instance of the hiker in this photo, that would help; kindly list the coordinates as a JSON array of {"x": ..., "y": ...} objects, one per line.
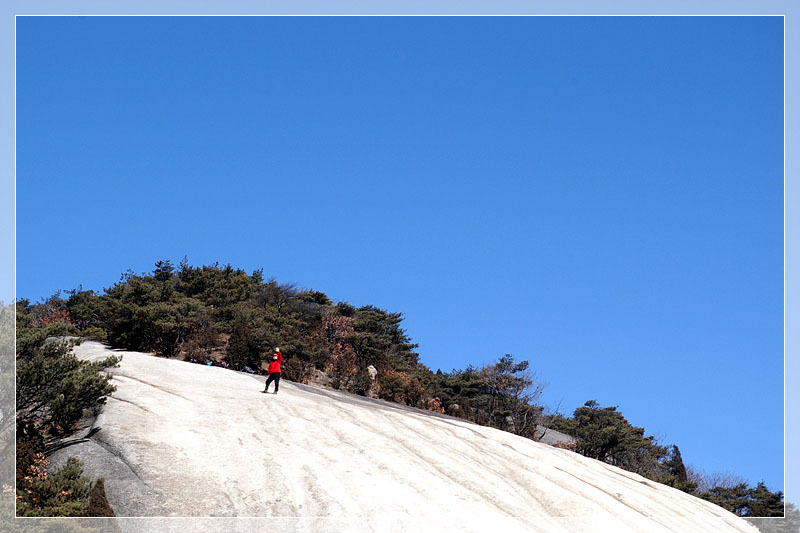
[{"x": 274, "y": 369}]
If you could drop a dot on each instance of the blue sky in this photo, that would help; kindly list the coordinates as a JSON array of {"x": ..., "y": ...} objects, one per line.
[{"x": 600, "y": 196}]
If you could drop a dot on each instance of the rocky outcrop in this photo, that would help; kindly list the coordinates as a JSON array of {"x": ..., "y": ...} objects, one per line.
[{"x": 187, "y": 440}]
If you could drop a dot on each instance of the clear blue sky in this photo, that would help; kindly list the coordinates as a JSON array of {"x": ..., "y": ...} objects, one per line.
[{"x": 600, "y": 196}]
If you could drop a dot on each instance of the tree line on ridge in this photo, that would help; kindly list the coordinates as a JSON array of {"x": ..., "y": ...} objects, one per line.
[{"x": 214, "y": 312}]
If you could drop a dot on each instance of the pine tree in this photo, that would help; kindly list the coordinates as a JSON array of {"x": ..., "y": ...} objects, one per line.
[
  {"x": 63, "y": 493},
  {"x": 55, "y": 388},
  {"x": 98, "y": 503}
]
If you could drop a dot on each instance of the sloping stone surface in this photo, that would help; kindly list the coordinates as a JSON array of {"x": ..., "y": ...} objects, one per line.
[{"x": 180, "y": 439}]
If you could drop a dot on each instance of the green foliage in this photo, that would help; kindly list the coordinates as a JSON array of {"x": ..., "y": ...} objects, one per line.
[
  {"x": 54, "y": 391},
  {"x": 64, "y": 493},
  {"x": 98, "y": 503},
  {"x": 182, "y": 311},
  {"x": 218, "y": 289},
  {"x": 674, "y": 471},
  {"x": 393, "y": 388},
  {"x": 460, "y": 387},
  {"x": 34, "y": 326},
  {"x": 511, "y": 396},
  {"x": 382, "y": 342},
  {"x": 559, "y": 422},
  {"x": 55, "y": 388},
  {"x": 765, "y": 502},
  {"x": 745, "y": 500},
  {"x": 84, "y": 308},
  {"x": 314, "y": 297},
  {"x": 503, "y": 395},
  {"x": 201, "y": 343},
  {"x": 605, "y": 434},
  {"x": 148, "y": 313},
  {"x": 244, "y": 347},
  {"x": 30, "y": 444},
  {"x": 163, "y": 271}
]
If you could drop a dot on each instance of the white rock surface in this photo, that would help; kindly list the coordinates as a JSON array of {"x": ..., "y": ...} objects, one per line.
[{"x": 180, "y": 439}]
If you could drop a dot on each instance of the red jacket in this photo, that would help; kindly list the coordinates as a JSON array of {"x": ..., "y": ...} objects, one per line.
[{"x": 275, "y": 364}]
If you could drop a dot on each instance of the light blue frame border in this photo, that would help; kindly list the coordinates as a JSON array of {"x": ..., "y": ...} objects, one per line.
[{"x": 788, "y": 8}]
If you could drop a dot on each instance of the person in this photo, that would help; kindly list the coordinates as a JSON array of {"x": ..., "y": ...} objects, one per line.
[{"x": 274, "y": 370}]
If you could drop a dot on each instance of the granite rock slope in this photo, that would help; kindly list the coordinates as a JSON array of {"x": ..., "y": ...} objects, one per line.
[{"x": 184, "y": 440}]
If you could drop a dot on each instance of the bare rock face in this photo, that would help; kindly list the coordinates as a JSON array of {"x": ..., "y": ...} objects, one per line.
[
  {"x": 373, "y": 383},
  {"x": 185, "y": 440}
]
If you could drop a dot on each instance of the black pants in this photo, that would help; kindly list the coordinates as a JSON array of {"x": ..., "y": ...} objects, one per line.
[{"x": 276, "y": 377}]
